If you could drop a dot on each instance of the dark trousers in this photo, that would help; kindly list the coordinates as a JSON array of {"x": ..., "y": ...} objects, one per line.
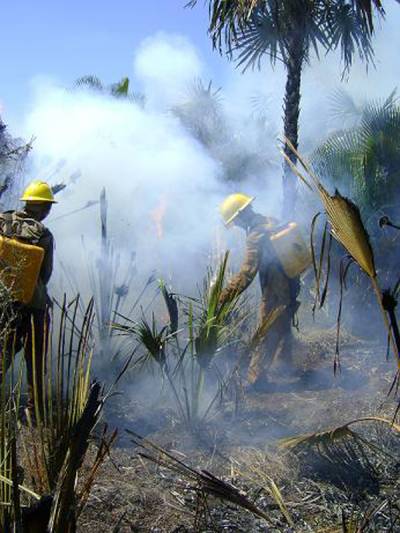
[{"x": 28, "y": 329}]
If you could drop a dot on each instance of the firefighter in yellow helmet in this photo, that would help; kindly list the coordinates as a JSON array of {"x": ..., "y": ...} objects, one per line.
[
  {"x": 30, "y": 321},
  {"x": 279, "y": 291}
]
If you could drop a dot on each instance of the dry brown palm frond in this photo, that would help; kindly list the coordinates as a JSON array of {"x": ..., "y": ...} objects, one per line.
[
  {"x": 264, "y": 327},
  {"x": 296, "y": 171},
  {"x": 344, "y": 218},
  {"x": 302, "y": 162},
  {"x": 204, "y": 481},
  {"x": 255, "y": 472},
  {"x": 63, "y": 513},
  {"x": 332, "y": 434},
  {"x": 348, "y": 229}
]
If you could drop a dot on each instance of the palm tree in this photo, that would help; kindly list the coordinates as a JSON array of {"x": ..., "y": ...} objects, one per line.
[
  {"x": 228, "y": 15},
  {"x": 119, "y": 89},
  {"x": 202, "y": 114},
  {"x": 288, "y": 30}
]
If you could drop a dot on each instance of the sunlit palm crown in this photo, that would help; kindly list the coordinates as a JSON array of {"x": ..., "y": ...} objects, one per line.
[{"x": 255, "y": 28}]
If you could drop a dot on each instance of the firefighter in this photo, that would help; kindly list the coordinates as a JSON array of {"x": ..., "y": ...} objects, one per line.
[
  {"x": 30, "y": 322},
  {"x": 279, "y": 292}
]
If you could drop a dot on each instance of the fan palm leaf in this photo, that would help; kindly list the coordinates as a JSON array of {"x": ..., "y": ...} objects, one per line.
[
  {"x": 364, "y": 160},
  {"x": 348, "y": 229},
  {"x": 332, "y": 434}
]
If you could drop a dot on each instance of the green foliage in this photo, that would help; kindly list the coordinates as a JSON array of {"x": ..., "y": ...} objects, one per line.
[
  {"x": 364, "y": 160},
  {"x": 213, "y": 327},
  {"x": 152, "y": 339},
  {"x": 268, "y": 26},
  {"x": 118, "y": 90},
  {"x": 60, "y": 405},
  {"x": 184, "y": 355},
  {"x": 227, "y": 16},
  {"x": 121, "y": 88},
  {"x": 90, "y": 82},
  {"x": 48, "y": 451},
  {"x": 278, "y": 29}
]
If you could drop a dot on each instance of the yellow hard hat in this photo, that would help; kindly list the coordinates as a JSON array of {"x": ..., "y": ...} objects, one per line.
[
  {"x": 38, "y": 191},
  {"x": 233, "y": 205}
]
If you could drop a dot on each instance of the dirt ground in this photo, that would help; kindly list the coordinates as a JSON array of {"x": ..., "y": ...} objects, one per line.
[{"x": 346, "y": 485}]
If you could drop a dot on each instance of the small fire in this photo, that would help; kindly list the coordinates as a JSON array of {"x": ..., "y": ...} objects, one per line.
[{"x": 157, "y": 216}]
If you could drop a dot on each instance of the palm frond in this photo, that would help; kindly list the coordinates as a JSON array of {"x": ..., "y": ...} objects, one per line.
[
  {"x": 152, "y": 339},
  {"x": 263, "y": 328},
  {"x": 261, "y": 36},
  {"x": 90, "y": 82},
  {"x": 172, "y": 307},
  {"x": 332, "y": 434},
  {"x": 121, "y": 88},
  {"x": 343, "y": 106},
  {"x": 213, "y": 327},
  {"x": 366, "y": 9},
  {"x": 201, "y": 113},
  {"x": 226, "y": 18},
  {"x": 348, "y": 229},
  {"x": 348, "y": 31},
  {"x": 204, "y": 480},
  {"x": 364, "y": 160}
]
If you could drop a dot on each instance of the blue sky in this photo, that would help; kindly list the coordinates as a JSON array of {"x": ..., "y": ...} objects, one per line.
[{"x": 67, "y": 39}]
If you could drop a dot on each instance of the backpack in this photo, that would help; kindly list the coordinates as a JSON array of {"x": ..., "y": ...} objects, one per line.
[
  {"x": 291, "y": 250},
  {"x": 20, "y": 256}
]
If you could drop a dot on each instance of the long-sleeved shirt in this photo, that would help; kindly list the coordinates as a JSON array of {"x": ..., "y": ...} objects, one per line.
[
  {"x": 258, "y": 257},
  {"x": 276, "y": 287}
]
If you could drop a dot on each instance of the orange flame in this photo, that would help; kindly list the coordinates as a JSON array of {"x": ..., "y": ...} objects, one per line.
[{"x": 157, "y": 216}]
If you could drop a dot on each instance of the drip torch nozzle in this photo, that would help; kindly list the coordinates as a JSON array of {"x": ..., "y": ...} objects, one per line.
[{"x": 385, "y": 221}]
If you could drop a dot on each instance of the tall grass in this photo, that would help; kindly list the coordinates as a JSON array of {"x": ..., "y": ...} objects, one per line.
[
  {"x": 110, "y": 284},
  {"x": 48, "y": 450}
]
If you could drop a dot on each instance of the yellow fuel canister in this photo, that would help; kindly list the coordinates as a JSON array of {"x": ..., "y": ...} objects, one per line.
[
  {"x": 19, "y": 268},
  {"x": 291, "y": 250}
]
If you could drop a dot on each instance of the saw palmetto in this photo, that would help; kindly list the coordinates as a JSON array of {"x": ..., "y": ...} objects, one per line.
[
  {"x": 333, "y": 434},
  {"x": 347, "y": 228}
]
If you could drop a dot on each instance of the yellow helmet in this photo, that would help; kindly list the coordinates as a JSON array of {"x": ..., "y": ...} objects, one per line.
[
  {"x": 233, "y": 205},
  {"x": 38, "y": 191}
]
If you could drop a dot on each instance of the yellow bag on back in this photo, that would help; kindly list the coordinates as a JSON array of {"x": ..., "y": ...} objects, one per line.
[
  {"x": 20, "y": 265},
  {"x": 291, "y": 250}
]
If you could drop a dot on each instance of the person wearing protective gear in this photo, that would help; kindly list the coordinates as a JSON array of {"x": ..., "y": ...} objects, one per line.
[
  {"x": 30, "y": 322},
  {"x": 279, "y": 292}
]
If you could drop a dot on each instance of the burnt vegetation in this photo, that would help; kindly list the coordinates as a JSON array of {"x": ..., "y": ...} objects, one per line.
[{"x": 143, "y": 421}]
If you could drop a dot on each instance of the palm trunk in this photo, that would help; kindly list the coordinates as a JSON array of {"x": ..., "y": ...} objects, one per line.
[{"x": 291, "y": 122}]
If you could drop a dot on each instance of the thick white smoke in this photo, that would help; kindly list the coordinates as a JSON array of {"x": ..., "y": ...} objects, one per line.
[
  {"x": 163, "y": 188},
  {"x": 165, "y": 65}
]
